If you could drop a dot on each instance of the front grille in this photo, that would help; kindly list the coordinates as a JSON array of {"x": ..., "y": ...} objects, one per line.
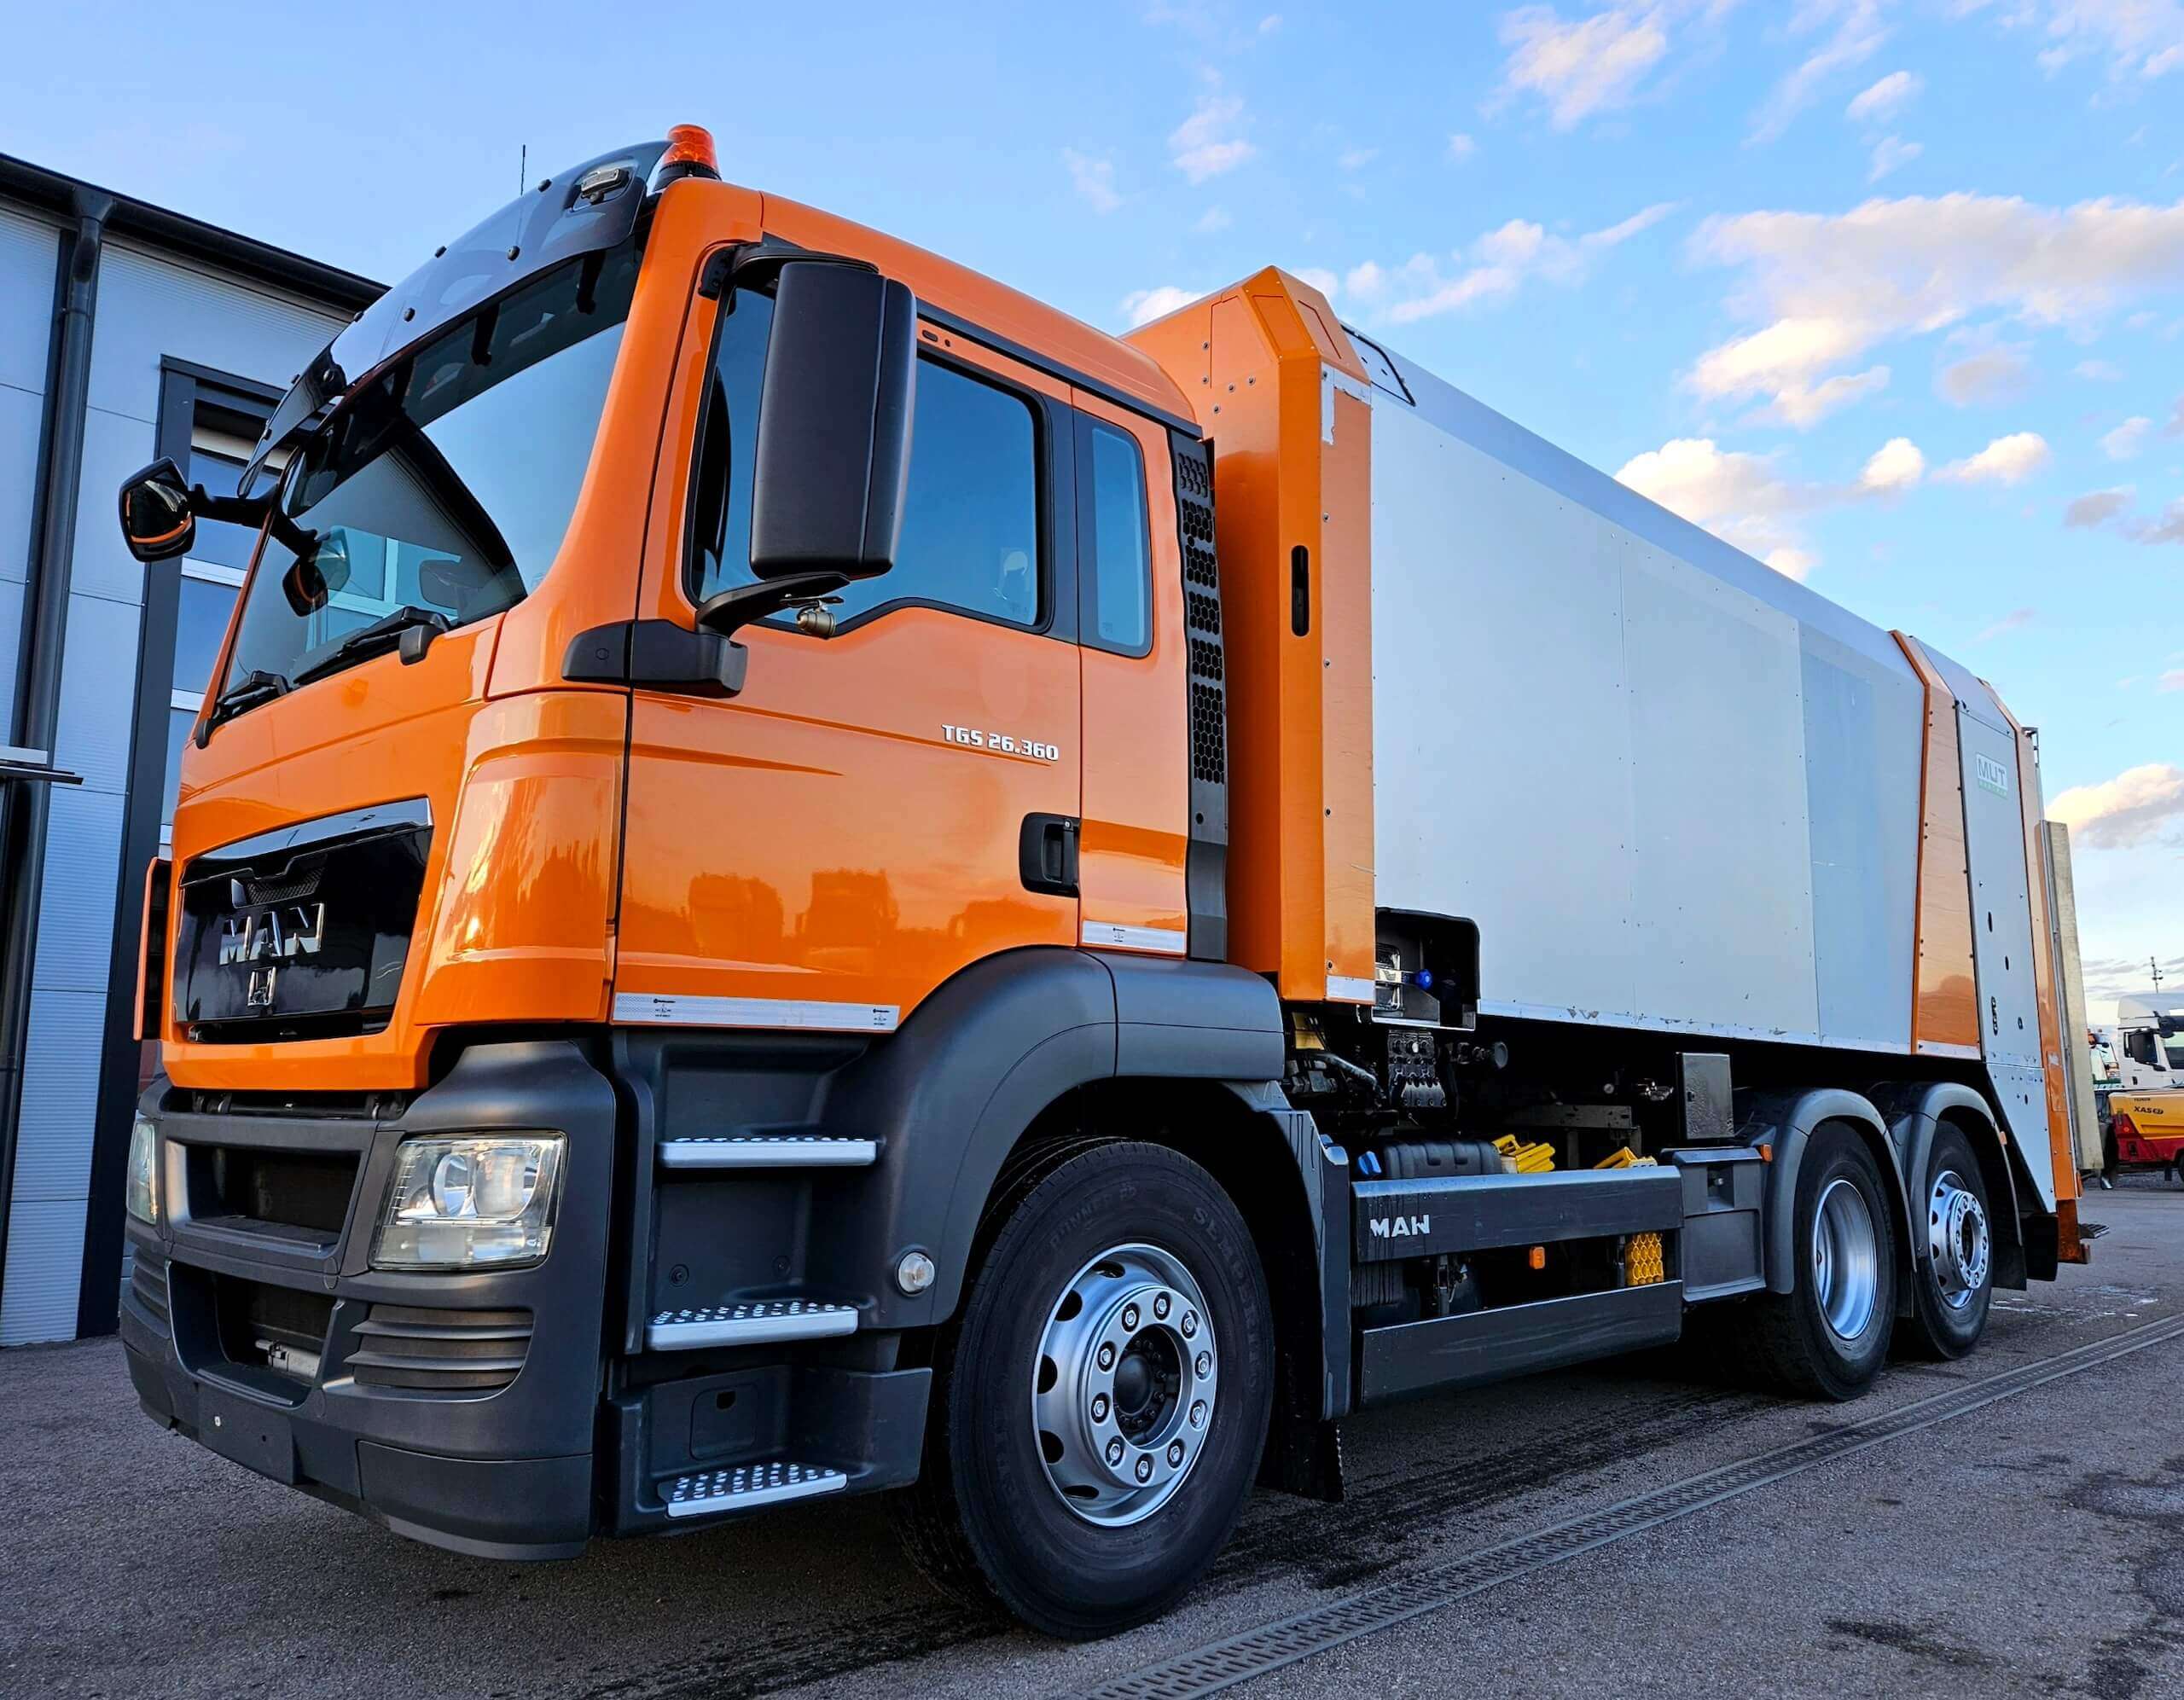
[
  {"x": 446, "y": 1351},
  {"x": 307, "y": 1190},
  {"x": 148, "y": 1284},
  {"x": 254, "y": 1318}
]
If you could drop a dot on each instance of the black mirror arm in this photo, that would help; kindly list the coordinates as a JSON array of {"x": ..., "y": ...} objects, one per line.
[
  {"x": 253, "y": 512},
  {"x": 728, "y": 610}
]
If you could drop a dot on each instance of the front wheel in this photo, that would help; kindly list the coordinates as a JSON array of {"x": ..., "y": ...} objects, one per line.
[
  {"x": 1102, "y": 1402},
  {"x": 1952, "y": 1283}
]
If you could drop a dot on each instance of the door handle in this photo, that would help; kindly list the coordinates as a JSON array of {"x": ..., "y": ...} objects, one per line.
[{"x": 1046, "y": 854}]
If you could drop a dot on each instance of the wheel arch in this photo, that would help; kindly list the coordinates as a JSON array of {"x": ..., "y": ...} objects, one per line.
[
  {"x": 1781, "y": 1123},
  {"x": 1916, "y": 1111}
]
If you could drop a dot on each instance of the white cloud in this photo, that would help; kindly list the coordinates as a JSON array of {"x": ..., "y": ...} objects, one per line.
[
  {"x": 1891, "y": 154},
  {"x": 2097, "y": 507},
  {"x": 1142, "y": 306},
  {"x": 2173, "y": 680},
  {"x": 2016, "y": 620},
  {"x": 1886, "y": 98},
  {"x": 2007, "y": 459},
  {"x": 2111, "y": 510},
  {"x": 1747, "y": 500},
  {"x": 1740, "y": 497},
  {"x": 2097, "y": 371},
  {"x": 1271, "y": 23},
  {"x": 1896, "y": 464},
  {"x": 1828, "y": 288},
  {"x": 1804, "y": 407},
  {"x": 1357, "y": 159},
  {"x": 2175, "y": 425},
  {"x": 1461, "y": 148},
  {"x": 1209, "y": 143},
  {"x": 1857, "y": 36},
  {"x": 1994, "y": 374},
  {"x": 1093, "y": 179},
  {"x": 2135, "y": 808},
  {"x": 1587, "y": 66},
  {"x": 2124, "y": 442},
  {"x": 2139, "y": 39},
  {"x": 1491, "y": 267},
  {"x": 1212, "y": 219},
  {"x": 1321, "y": 279}
]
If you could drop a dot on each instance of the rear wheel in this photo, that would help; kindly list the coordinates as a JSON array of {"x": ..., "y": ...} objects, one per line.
[
  {"x": 1953, "y": 1274},
  {"x": 1102, "y": 1402},
  {"x": 1827, "y": 1338}
]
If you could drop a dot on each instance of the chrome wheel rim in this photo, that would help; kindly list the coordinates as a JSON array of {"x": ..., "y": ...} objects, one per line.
[
  {"x": 1845, "y": 1260},
  {"x": 1958, "y": 1240},
  {"x": 1123, "y": 1388}
]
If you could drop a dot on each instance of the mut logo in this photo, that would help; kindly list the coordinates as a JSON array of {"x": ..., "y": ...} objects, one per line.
[
  {"x": 1399, "y": 1228},
  {"x": 273, "y": 934}
]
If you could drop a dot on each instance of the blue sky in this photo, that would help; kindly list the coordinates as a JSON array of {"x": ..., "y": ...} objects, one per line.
[{"x": 1889, "y": 292}]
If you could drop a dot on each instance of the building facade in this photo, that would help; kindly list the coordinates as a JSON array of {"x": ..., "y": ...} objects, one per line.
[{"x": 127, "y": 332}]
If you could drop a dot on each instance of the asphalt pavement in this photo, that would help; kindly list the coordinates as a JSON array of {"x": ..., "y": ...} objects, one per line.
[{"x": 2010, "y": 1524}]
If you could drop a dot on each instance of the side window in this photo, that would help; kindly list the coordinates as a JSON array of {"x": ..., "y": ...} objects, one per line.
[
  {"x": 1118, "y": 582},
  {"x": 2138, "y": 1045},
  {"x": 971, "y": 520}
]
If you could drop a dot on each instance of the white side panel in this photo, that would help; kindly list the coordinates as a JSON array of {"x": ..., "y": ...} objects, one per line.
[
  {"x": 1678, "y": 791},
  {"x": 2001, "y": 939},
  {"x": 1720, "y": 882},
  {"x": 1501, "y": 762},
  {"x": 30, "y": 250}
]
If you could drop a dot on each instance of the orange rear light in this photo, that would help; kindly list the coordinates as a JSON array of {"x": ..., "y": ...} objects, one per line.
[
  {"x": 2125, "y": 1128},
  {"x": 1538, "y": 1259},
  {"x": 690, "y": 155}
]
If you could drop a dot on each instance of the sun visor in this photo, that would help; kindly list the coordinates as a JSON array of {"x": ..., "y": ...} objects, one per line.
[{"x": 583, "y": 210}]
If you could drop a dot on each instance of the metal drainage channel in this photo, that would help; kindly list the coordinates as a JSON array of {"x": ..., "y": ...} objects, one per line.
[{"x": 1269, "y": 1647}]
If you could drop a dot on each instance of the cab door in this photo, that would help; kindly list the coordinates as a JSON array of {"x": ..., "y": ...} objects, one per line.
[
  {"x": 878, "y": 808},
  {"x": 1137, "y": 804}
]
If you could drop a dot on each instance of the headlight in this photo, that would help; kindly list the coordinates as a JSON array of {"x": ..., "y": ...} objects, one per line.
[
  {"x": 457, "y": 1202},
  {"x": 142, "y": 1195}
]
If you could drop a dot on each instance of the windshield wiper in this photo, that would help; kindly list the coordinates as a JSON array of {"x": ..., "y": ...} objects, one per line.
[
  {"x": 257, "y": 686},
  {"x": 384, "y": 633}
]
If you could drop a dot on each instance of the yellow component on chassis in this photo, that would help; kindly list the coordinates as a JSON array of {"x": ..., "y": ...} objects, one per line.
[
  {"x": 1525, "y": 1159},
  {"x": 1643, "y": 1264}
]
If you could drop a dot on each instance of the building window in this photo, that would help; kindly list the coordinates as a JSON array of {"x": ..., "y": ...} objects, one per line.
[{"x": 222, "y": 433}]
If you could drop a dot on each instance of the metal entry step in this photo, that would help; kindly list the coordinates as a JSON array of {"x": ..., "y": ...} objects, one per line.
[
  {"x": 767, "y": 1151},
  {"x": 748, "y": 1324},
  {"x": 746, "y": 1486}
]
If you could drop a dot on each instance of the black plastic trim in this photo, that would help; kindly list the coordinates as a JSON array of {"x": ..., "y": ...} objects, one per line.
[
  {"x": 657, "y": 655},
  {"x": 1206, "y": 702},
  {"x": 1517, "y": 1339},
  {"x": 1401, "y": 1219}
]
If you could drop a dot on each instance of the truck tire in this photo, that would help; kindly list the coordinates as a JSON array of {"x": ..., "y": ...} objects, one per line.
[
  {"x": 1101, "y": 1399},
  {"x": 1829, "y": 1337},
  {"x": 1952, "y": 1286}
]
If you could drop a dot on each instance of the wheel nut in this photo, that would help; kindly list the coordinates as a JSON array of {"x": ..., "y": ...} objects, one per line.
[
  {"x": 1106, "y": 1357},
  {"x": 1115, "y": 1450},
  {"x": 1204, "y": 1366},
  {"x": 1098, "y": 1408},
  {"x": 1144, "y": 1470},
  {"x": 1129, "y": 1316},
  {"x": 1198, "y": 1414},
  {"x": 1160, "y": 1307},
  {"x": 1175, "y": 1451},
  {"x": 1190, "y": 1323}
]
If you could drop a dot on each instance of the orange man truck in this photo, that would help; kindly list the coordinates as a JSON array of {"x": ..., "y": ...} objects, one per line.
[{"x": 806, "y": 876}]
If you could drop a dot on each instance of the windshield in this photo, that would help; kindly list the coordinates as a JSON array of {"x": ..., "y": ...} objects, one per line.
[{"x": 440, "y": 493}]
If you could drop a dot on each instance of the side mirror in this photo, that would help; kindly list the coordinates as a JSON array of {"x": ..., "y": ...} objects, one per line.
[
  {"x": 317, "y": 572},
  {"x": 157, "y": 522},
  {"x": 833, "y": 434}
]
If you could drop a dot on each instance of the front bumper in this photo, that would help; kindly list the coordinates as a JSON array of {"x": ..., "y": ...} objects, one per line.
[{"x": 460, "y": 1409}]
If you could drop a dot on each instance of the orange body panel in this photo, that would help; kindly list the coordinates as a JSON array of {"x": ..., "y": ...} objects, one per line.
[
  {"x": 1300, "y": 859},
  {"x": 818, "y": 838},
  {"x": 2045, "y": 980},
  {"x": 1944, "y": 1001},
  {"x": 1137, "y": 777}
]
